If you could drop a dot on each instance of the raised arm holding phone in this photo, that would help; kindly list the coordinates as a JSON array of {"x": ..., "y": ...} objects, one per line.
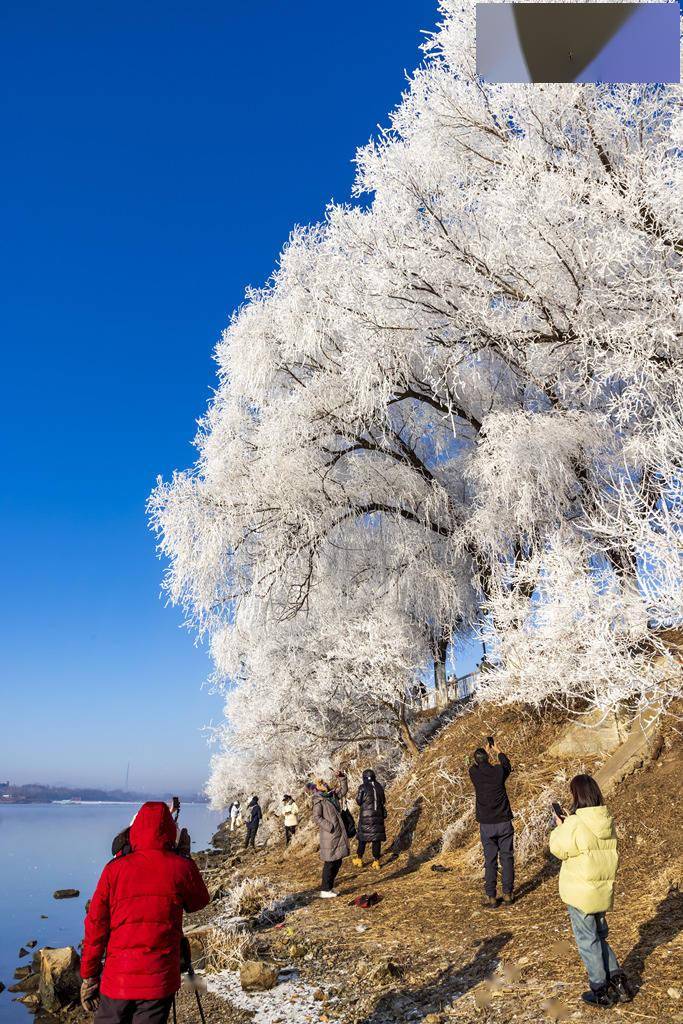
[{"x": 494, "y": 814}]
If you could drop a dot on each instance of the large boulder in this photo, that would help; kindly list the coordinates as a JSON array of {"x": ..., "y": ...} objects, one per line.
[
  {"x": 257, "y": 976},
  {"x": 60, "y": 978},
  {"x": 35, "y": 960},
  {"x": 223, "y": 838},
  {"x": 595, "y": 734},
  {"x": 66, "y": 894},
  {"x": 199, "y": 939},
  {"x": 643, "y": 746}
]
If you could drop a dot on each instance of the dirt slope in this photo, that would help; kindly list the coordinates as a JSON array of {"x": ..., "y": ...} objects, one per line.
[{"x": 430, "y": 946}]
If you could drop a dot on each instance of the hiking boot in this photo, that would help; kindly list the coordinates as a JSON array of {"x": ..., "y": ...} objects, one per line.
[
  {"x": 620, "y": 984},
  {"x": 375, "y": 865},
  {"x": 491, "y": 902},
  {"x": 604, "y": 997},
  {"x": 508, "y": 898},
  {"x": 328, "y": 894},
  {"x": 357, "y": 862}
]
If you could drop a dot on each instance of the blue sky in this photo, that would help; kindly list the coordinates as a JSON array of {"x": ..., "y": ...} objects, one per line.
[{"x": 155, "y": 158}]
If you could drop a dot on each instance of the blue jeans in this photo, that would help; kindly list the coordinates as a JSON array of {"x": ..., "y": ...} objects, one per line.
[{"x": 590, "y": 932}]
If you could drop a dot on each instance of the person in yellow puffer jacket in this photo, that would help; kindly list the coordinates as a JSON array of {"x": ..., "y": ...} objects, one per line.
[{"x": 585, "y": 841}]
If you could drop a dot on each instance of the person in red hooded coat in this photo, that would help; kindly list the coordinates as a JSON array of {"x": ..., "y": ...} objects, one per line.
[{"x": 135, "y": 921}]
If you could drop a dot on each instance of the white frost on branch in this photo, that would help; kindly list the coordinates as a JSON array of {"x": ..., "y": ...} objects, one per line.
[{"x": 457, "y": 407}]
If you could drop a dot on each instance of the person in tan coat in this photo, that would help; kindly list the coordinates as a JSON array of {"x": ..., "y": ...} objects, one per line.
[
  {"x": 585, "y": 841},
  {"x": 334, "y": 842},
  {"x": 290, "y": 815}
]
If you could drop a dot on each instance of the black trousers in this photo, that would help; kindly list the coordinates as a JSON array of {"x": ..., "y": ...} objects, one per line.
[
  {"x": 498, "y": 842},
  {"x": 289, "y": 832},
  {"x": 251, "y": 836},
  {"x": 330, "y": 872},
  {"x": 376, "y": 848},
  {"x": 133, "y": 1011}
]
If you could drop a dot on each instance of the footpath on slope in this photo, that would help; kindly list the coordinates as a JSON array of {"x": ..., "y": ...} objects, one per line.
[{"x": 429, "y": 951}]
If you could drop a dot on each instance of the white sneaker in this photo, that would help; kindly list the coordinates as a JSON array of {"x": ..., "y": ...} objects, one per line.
[{"x": 326, "y": 894}]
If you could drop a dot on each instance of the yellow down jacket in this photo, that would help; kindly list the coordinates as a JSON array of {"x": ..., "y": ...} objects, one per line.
[{"x": 586, "y": 843}]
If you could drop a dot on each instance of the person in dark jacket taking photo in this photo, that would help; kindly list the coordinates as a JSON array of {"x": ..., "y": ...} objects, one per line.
[
  {"x": 371, "y": 800},
  {"x": 494, "y": 814},
  {"x": 254, "y": 815},
  {"x": 135, "y": 921}
]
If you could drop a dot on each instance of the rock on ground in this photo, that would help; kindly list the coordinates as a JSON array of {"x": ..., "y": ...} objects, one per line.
[
  {"x": 60, "y": 977},
  {"x": 199, "y": 938},
  {"x": 257, "y": 976}
]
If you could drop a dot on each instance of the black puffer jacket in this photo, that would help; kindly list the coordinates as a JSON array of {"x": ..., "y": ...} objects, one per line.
[
  {"x": 371, "y": 801},
  {"x": 255, "y": 813}
]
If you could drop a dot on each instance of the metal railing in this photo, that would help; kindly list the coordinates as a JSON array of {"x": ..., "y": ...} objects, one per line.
[{"x": 456, "y": 689}]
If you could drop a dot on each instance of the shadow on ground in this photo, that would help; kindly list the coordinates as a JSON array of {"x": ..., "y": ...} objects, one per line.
[
  {"x": 276, "y": 914},
  {"x": 663, "y": 927},
  {"x": 549, "y": 869},
  {"x": 403, "y": 843},
  {"x": 448, "y": 985}
]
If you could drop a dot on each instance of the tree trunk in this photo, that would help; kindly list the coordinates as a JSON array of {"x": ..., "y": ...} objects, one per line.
[
  {"x": 440, "y": 683},
  {"x": 405, "y": 734}
]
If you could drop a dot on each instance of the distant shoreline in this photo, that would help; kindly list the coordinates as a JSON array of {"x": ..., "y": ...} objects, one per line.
[
  {"x": 40, "y": 793},
  {"x": 25, "y": 802}
]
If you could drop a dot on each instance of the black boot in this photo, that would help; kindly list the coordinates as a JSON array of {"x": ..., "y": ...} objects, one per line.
[
  {"x": 604, "y": 996},
  {"x": 620, "y": 984}
]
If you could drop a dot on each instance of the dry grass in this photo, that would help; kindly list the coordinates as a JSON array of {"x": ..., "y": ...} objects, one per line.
[
  {"x": 454, "y": 832},
  {"x": 228, "y": 949},
  {"x": 248, "y": 898},
  {"x": 453, "y": 952},
  {"x": 534, "y": 820}
]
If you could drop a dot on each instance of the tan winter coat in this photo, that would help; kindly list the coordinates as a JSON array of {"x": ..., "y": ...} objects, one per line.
[
  {"x": 334, "y": 842},
  {"x": 290, "y": 812}
]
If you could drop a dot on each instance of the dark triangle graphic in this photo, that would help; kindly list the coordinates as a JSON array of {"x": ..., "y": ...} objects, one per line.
[{"x": 559, "y": 40}]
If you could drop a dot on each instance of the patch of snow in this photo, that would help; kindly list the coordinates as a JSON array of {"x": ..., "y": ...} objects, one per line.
[{"x": 291, "y": 1001}]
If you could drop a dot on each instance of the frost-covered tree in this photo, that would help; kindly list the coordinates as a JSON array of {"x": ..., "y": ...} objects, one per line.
[
  {"x": 311, "y": 687},
  {"x": 459, "y": 400}
]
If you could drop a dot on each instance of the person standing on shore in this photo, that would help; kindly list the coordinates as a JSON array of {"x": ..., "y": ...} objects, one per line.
[
  {"x": 135, "y": 921},
  {"x": 585, "y": 840},
  {"x": 253, "y": 822},
  {"x": 371, "y": 829},
  {"x": 494, "y": 814},
  {"x": 334, "y": 842},
  {"x": 235, "y": 815},
  {"x": 290, "y": 813}
]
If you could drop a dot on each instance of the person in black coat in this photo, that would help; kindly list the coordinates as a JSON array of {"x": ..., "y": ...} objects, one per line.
[
  {"x": 494, "y": 814},
  {"x": 372, "y": 803},
  {"x": 254, "y": 815}
]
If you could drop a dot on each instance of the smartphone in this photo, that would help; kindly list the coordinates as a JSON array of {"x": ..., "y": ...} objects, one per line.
[
  {"x": 558, "y": 810},
  {"x": 490, "y": 740}
]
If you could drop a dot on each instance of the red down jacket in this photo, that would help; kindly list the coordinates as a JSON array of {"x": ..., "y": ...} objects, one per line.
[{"x": 136, "y": 913}]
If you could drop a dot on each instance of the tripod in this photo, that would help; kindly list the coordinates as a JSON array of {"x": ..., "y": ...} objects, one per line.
[{"x": 187, "y": 968}]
